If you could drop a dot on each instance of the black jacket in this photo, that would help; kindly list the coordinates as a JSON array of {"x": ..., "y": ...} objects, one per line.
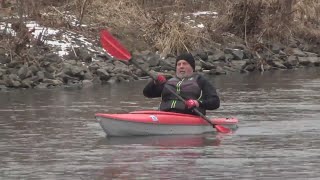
[{"x": 209, "y": 99}]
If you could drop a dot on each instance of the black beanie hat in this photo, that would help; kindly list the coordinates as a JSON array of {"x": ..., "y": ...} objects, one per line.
[{"x": 187, "y": 57}]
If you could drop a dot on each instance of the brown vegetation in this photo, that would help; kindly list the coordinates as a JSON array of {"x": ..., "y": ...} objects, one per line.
[{"x": 145, "y": 24}]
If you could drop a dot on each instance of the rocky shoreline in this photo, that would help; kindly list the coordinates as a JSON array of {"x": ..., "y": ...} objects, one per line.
[{"x": 50, "y": 70}]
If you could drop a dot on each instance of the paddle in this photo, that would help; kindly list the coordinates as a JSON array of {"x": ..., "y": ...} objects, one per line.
[{"x": 115, "y": 49}]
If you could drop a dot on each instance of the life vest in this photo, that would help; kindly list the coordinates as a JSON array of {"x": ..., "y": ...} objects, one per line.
[{"x": 187, "y": 88}]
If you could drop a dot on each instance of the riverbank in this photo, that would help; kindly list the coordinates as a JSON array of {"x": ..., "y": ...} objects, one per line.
[
  {"x": 49, "y": 70},
  {"x": 37, "y": 56}
]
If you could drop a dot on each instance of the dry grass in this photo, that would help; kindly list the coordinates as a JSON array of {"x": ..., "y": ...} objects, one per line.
[
  {"x": 167, "y": 34},
  {"x": 272, "y": 20},
  {"x": 151, "y": 22},
  {"x": 175, "y": 37}
]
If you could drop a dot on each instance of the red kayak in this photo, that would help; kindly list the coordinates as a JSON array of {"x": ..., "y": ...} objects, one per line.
[{"x": 158, "y": 123}]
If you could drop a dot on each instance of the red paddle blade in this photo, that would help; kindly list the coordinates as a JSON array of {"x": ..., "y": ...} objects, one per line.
[
  {"x": 222, "y": 129},
  {"x": 113, "y": 46}
]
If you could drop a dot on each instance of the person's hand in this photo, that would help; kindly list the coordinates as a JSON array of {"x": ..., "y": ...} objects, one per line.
[
  {"x": 161, "y": 79},
  {"x": 191, "y": 103}
]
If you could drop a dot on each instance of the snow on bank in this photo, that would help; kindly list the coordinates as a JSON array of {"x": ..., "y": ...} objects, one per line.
[
  {"x": 63, "y": 41},
  {"x": 197, "y": 14},
  {"x": 205, "y": 13}
]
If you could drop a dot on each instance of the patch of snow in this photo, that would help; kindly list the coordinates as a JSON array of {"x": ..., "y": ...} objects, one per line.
[
  {"x": 6, "y": 27},
  {"x": 204, "y": 13},
  {"x": 200, "y": 25},
  {"x": 63, "y": 40}
]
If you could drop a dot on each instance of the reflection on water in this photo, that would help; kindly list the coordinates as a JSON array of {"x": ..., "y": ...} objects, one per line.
[
  {"x": 165, "y": 141},
  {"x": 52, "y": 134}
]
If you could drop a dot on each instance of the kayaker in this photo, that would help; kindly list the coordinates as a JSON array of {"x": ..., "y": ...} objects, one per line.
[{"x": 193, "y": 87}]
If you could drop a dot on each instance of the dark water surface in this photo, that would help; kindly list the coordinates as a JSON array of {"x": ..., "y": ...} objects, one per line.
[{"x": 52, "y": 134}]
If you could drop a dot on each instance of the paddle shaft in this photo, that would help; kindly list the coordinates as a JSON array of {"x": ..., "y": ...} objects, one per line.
[{"x": 134, "y": 62}]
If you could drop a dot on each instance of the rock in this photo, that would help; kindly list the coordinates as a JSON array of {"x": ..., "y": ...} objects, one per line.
[
  {"x": 4, "y": 59},
  {"x": 247, "y": 54},
  {"x": 2, "y": 72},
  {"x": 24, "y": 72},
  {"x": 238, "y": 64},
  {"x": 71, "y": 62},
  {"x": 203, "y": 56},
  {"x": 2, "y": 82},
  {"x": 153, "y": 60},
  {"x": 51, "y": 68},
  {"x": 52, "y": 58},
  {"x": 87, "y": 83},
  {"x": 167, "y": 64},
  {"x": 282, "y": 53},
  {"x": 295, "y": 52},
  {"x": 308, "y": 61},
  {"x": 122, "y": 70},
  {"x": 49, "y": 75},
  {"x": 45, "y": 63},
  {"x": 120, "y": 64},
  {"x": 291, "y": 62},
  {"x": 298, "y": 52},
  {"x": 217, "y": 71},
  {"x": 229, "y": 57},
  {"x": 276, "y": 48},
  {"x": 12, "y": 80},
  {"x": 144, "y": 53},
  {"x": 14, "y": 64},
  {"x": 66, "y": 78},
  {"x": 294, "y": 43},
  {"x": 228, "y": 50},
  {"x": 97, "y": 65},
  {"x": 278, "y": 64},
  {"x": 103, "y": 74},
  {"x": 34, "y": 69},
  {"x": 207, "y": 65},
  {"x": 26, "y": 83},
  {"x": 218, "y": 56},
  {"x": 76, "y": 71},
  {"x": 139, "y": 72},
  {"x": 96, "y": 80},
  {"x": 238, "y": 55},
  {"x": 3, "y": 87},
  {"x": 239, "y": 46},
  {"x": 14, "y": 77},
  {"x": 40, "y": 76},
  {"x": 87, "y": 75},
  {"x": 249, "y": 68},
  {"x": 113, "y": 80},
  {"x": 41, "y": 86},
  {"x": 83, "y": 54},
  {"x": 242, "y": 71},
  {"x": 52, "y": 82},
  {"x": 310, "y": 54}
]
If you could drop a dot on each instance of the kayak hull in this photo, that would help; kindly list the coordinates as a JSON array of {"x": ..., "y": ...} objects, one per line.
[{"x": 145, "y": 123}]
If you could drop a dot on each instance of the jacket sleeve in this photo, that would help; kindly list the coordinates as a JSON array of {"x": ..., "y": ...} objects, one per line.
[
  {"x": 210, "y": 99},
  {"x": 152, "y": 90}
]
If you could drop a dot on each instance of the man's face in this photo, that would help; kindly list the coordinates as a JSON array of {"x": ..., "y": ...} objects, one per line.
[{"x": 183, "y": 69}]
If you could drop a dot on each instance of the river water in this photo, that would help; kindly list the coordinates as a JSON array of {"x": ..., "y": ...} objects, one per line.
[{"x": 52, "y": 133}]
